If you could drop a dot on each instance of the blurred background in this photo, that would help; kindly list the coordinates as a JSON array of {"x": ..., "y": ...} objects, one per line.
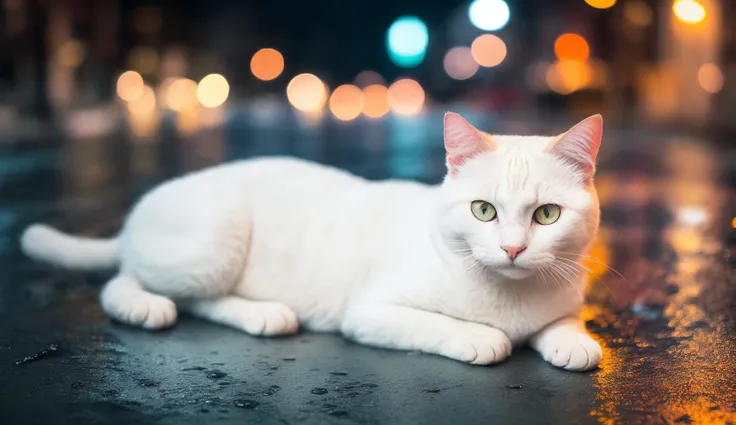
[{"x": 92, "y": 67}]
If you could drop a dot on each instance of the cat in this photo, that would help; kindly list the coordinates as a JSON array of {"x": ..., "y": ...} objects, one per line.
[{"x": 486, "y": 261}]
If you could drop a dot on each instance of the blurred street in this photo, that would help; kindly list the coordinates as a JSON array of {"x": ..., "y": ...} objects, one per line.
[{"x": 661, "y": 301}]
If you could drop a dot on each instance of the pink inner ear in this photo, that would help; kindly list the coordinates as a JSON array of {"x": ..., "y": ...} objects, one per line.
[
  {"x": 462, "y": 140},
  {"x": 580, "y": 144}
]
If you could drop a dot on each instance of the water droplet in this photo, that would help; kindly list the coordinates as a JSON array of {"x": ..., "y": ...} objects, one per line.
[
  {"x": 290, "y": 359},
  {"x": 77, "y": 385},
  {"x": 513, "y": 386},
  {"x": 338, "y": 373},
  {"x": 337, "y": 413},
  {"x": 369, "y": 385},
  {"x": 319, "y": 391},
  {"x": 245, "y": 404},
  {"x": 434, "y": 390},
  {"x": 216, "y": 374},
  {"x": 187, "y": 369},
  {"x": 148, "y": 383}
]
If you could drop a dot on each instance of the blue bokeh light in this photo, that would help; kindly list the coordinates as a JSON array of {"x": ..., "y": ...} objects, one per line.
[{"x": 407, "y": 41}]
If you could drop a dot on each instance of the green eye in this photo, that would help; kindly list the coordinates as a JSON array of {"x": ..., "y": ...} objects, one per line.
[
  {"x": 547, "y": 214},
  {"x": 483, "y": 210}
]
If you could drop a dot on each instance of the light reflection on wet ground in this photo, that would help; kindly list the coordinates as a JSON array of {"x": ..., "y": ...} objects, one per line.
[{"x": 662, "y": 298}]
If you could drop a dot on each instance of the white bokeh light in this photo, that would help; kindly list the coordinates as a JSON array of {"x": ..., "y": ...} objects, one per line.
[{"x": 489, "y": 15}]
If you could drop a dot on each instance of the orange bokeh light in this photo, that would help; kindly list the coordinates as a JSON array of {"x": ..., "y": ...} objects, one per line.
[
  {"x": 307, "y": 93},
  {"x": 601, "y": 4},
  {"x": 710, "y": 78},
  {"x": 346, "y": 102},
  {"x": 375, "y": 101},
  {"x": 488, "y": 50},
  {"x": 572, "y": 47},
  {"x": 406, "y": 97},
  {"x": 130, "y": 86},
  {"x": 267, "y": 64}
]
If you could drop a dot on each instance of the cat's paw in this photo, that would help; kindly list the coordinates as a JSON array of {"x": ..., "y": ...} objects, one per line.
[
  {"x": 269, "y": 318},
  {"x": 148, "y": 311},
  {"x": 478, "y": 344},
  {"x": 577, "y": 352}
]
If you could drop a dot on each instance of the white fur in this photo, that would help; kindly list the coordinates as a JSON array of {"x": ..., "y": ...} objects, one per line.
[{"x": 264, "y": 245}]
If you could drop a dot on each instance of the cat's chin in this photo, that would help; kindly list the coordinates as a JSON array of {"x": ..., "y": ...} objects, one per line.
[{"x": 513, "y": 272}]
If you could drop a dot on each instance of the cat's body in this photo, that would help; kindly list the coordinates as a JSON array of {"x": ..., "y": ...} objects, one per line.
[{"x": 267, "y": 244}]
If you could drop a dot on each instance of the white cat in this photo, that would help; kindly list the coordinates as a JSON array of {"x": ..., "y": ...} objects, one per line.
[{"x": 484, "y": 262}]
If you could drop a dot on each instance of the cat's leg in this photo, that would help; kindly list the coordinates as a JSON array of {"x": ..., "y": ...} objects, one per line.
[
  {"x": 254, "y": 317},
  {"x": 125, "y": 300},
  {"x": 566, "y": 344},
  {"x": 405, "y": 328}
]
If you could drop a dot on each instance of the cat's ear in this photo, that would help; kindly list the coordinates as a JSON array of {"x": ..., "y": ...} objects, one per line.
[
  {"x": 463, "y": 141},
  {"x": 580, "y": 144}
]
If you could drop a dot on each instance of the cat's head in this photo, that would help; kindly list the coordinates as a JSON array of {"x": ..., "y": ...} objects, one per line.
[{"x": 518, "y": 204}]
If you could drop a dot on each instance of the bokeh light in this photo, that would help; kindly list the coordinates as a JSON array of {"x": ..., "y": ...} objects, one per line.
[
  {"x": 407, "y": 41},
  {"x": 536, "y": 76},
  {"x": 143, "y": 59},
  {"x": 368, "y": 78},
  {"x": 488, "y": 50},
  {"x": 459, "y": 63},
  {"x": 307, "y": 93},
  {"x": 375, "y": 101},
  {"x": 406, "y": 97},
  {"x": 638, "y": 13},
  {"x": 213, "y": 90},
  {"x": 571, "y": 47},
  {"x": 129, "y": 85},
  {"x": 267, "y": 64},
  {"x": 601, "y": 4},
  {"x": 71, "y": 54},
  {"x": 144, "y": 104},
  {"x": 346, "y": 102},
  {"x": 567, "y": 76},
  {"x": 689, "y": 11},
  {"x": 710, "y": 78},
  {"x": 489, "y": 15},
  {"x": 181, "y": 94}
]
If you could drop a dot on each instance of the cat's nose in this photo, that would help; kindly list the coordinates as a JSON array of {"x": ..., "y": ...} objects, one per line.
[{"x": 513, "y": 251}]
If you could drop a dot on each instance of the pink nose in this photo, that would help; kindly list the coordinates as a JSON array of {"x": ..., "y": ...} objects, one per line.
[{"x": 513, "y": 251}]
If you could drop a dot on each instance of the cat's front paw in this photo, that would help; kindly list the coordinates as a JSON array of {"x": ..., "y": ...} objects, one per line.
[
  {"x": 577, "y": 352},
  {"x": 478, "y": 344}
]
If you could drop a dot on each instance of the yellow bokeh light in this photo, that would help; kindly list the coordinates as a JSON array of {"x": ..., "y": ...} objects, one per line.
[
  {"x": 459, "y": 63},
  {"x": 601, "y": 4},
  {"x": 346, "y": 102},
  {"x": 267, "y": 64},
  {"x": 638, "y": 13},
  {"x": 212, "y": 90},
  {"x": 733, "y": 223},
  {"x": 710, "y": 77},
  {"x": 144, "y": 104},
  {"x": 565, "y": 77},
  {"x": 488, "y": 50},
  {"x": 143, "y": 59},
  {"x": 406, "y": 97},
  {"x": 572, "y": 47},
  {"x": 181, "y": 94},
  {"x": 307, "y": 93},
  {"x": 71, "y": 54},
  {"x": 689, "y": 11},
  {"x": 368, "y": 78},
  {"x": 130, "y": 85},
  {"x": 375, "y": 101}
]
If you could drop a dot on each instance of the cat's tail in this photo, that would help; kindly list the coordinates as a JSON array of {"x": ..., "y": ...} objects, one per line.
[{"x": 46, "y": 244}]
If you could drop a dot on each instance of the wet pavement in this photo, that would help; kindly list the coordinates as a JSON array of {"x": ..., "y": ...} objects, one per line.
[{"x": 662, "y": 300}]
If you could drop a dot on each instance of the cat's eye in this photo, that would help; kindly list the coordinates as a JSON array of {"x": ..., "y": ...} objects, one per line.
[
  {"x": 547, "y": 214},
  {"x": 483, "y": 210}
]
